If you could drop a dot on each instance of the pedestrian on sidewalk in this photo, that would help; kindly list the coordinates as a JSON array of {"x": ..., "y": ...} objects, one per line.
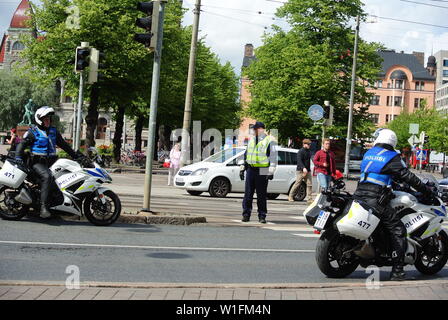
[
  {"x": 14, "y": 140},
  {"x": 260, "y": 162},
  {"x": 325, "y": 164},
  {"x": 303, "y": 171},
  {"x": 175, "y": 155}
]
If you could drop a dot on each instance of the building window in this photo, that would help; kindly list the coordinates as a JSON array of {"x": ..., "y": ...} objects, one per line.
[
  {"x": 379, "y": 84},
  {"x": 445, "y": 73},
  {"x": 389, "y": 99},
  {"x": 375, "y": 117},
  {"x": 8, "y": 46},
  {"x": 397, "y": 101},
  {"x": 419, "y": 86},
  {"x": 389, "y": 85},
  {"x": 445, "y": 63},
  {"x": 399, "y": 84},
  {"x": 18, "y": 46},
  {"x": 417, "y": 103},
  {"x": 388, "y": 117},
  {"x": 375, "y": 100}
]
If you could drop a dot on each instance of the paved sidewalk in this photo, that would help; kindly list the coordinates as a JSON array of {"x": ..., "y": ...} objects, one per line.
[{"x": 418, "y": 290}]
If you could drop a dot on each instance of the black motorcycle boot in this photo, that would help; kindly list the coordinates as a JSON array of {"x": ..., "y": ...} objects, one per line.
[
  {"x": 397, "y": 273},
  {"x": 44, "y": 212}
]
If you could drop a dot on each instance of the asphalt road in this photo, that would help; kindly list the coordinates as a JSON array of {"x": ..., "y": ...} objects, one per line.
[{"x": 41, "y": 251}]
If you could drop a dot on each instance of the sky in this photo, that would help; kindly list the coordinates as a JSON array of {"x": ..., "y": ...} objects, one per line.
[{"x": 227, "y": 25}]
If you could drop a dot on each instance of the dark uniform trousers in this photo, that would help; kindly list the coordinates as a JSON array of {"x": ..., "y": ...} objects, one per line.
[{"x": 255, "y": 182}]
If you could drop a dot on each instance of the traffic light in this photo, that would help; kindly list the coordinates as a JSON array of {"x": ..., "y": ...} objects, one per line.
[
  {"x": 82, "y": 59},
  {"x": 328, "y": 113},
  {"x": 149, "y": 23},
  {"x": 96, "y": 57}
]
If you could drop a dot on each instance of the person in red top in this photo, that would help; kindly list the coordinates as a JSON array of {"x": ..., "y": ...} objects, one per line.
[{"x": 325, "y": 164}]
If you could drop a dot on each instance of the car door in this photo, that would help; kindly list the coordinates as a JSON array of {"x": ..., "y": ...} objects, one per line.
[
  {"x": 281, "y": 176},
  {"x": 234, "y": 171}
]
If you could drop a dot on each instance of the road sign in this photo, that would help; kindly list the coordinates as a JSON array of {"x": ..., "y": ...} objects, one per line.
[
  {"x": 422, "y": 155},
  {"x": 414, "y": 128},
  {"x": 422, "y": 137},
  {"x": 413, "y": 140},
  {"x": 316, "y": 112}
]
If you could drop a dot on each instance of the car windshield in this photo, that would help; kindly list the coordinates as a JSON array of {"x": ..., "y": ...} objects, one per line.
[{"x": 224, "y": 155}]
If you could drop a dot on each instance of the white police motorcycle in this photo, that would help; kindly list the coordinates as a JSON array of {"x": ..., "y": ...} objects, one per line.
[
  {"x": 77, "y": 189},
  {"x": 353, "y": 235}
]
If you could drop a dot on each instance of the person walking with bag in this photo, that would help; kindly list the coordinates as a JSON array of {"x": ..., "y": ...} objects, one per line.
[
  {"x": 175, "y": 156},
  {"x": 303, "y": 171}
]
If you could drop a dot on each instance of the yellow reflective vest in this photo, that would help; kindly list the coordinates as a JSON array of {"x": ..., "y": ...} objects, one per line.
[{"x": 256, "y": 155}]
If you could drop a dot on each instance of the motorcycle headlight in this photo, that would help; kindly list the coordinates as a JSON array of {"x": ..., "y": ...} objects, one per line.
[
  {"x": 106, "y": 174},
  {"x": 199, "y": 172}
]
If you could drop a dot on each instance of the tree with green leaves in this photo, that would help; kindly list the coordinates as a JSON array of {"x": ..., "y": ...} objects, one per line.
[
  {"x": 109, "y": 25},
  {"x": 15, "y": 91},
  {"x": 309, "y": 64}
]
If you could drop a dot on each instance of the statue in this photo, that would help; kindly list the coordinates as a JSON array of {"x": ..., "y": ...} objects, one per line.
[{"x": 29, "y": 113}]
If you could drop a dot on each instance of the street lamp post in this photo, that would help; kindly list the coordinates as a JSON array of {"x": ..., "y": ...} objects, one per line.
[{"x": 352, "y": 101}]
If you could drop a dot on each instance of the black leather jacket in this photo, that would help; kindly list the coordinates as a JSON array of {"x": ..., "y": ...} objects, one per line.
[{"x": 399, "y": 172}]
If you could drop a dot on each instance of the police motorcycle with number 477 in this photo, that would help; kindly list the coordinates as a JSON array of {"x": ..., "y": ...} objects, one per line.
[
  {"x": 76, "y": 189},
  {"x": 353, "y": 235}
]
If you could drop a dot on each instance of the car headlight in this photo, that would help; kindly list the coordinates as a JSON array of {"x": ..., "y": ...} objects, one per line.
[{"x": 199, "y": 172}]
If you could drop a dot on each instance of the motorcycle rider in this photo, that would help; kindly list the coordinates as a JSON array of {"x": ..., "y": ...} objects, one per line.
[
  {"x": 42, "y": 140},
  {"x": 379, "y": 167}
]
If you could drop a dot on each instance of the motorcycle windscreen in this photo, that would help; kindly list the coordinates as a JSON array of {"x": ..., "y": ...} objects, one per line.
[
  {"x": 11, "y": 175},
  {"x": 312, "y": 212},
  {"x": 359, "y": 222}
]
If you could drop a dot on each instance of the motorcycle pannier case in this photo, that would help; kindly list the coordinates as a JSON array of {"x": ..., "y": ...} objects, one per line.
[
  {"x": 358, "y": 223},
  {"x": 11, "y": 176}
]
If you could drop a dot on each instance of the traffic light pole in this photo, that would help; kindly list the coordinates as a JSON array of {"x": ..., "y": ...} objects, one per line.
[
  {"x": 79, "y": 111},
  {"x": 153, "y": 112},
  {"x": 352, "y": 101},
  {"x": 190, "y": 83}
]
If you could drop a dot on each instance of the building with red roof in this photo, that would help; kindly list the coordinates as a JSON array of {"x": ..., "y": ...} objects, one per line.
[{"x": 11, "y": 44}]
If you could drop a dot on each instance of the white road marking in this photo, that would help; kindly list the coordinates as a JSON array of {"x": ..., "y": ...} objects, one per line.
[
  {"x": 301, "y": 218},
  {"x": 254, "y": 222},
  {"x": 91, "y": 245},
  {"x": 305, "y": 235},
  {"x": 286, "y": 228}
]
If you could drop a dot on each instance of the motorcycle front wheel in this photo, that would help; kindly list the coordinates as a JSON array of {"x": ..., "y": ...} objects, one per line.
[
  {"x": 10, "y": 209},
  {"x": 330, "y": 256},
  {"x": 434, "y": 254},
  {"x": 102, "y": 214}
]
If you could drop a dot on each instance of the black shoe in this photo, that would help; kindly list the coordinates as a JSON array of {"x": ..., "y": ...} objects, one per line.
[
  {"x": 245, "y": 219},
  {"x": 262, "y": 220},
  {"x": 397, "y": 274},
  {"x": 44, "y": 212}
]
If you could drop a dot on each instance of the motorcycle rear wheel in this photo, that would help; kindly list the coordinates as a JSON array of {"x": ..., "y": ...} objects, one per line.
[
  {"x": 10, "y": 209},
  {"x": 101, "y": 214},
  {"x": 329, "y": 258},
  {"x": 428, "y": 262}
]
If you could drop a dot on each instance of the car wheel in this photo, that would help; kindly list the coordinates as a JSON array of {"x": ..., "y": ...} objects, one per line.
[
  {"x": 301, "y": 192},
  {"x": 194, "y": 193},
  {"x": 273, "y": 196},
  {"x": 219, "y": 187}
]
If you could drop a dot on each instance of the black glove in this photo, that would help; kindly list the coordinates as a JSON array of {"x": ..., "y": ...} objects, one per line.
[
  {"x": 270, "y": 177},
  {"x": 19, "y": 161},
  {"x": 242, "y": 174}
]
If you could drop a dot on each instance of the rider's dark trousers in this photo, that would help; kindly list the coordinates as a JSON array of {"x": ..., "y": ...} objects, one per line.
[
  {"x": 393, "y": 225},
  {"x": 44, "y": 175}
]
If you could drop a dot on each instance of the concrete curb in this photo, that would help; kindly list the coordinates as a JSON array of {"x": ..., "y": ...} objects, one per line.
[
  {"x": 153, "y": 285},
  {"x": 148, "y": 219}
]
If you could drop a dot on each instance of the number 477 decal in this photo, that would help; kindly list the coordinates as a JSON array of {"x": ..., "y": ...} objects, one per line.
[{"x": 364, "y": 225}]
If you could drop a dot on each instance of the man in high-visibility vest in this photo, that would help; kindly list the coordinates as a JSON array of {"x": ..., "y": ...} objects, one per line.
[{"x": 260, "y": 161}]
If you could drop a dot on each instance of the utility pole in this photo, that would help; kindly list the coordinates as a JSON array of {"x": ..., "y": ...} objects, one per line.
[
  {"x": 352, "y": 101},
  {"x": 82, "y": 53},
  {"x": 153, "y": 105},
  {"x": 190, "y": 82}
]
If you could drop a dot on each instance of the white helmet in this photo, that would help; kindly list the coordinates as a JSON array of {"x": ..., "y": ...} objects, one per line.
[
  {"x": 386, "y": 136},
  {"x": 42, "y": 112}
]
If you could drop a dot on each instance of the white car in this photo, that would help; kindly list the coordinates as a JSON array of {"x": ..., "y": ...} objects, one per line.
[{"x": 219, "y": 175}]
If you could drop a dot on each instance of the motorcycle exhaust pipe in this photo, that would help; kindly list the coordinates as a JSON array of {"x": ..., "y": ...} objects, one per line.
[{"x": 24, "y": 197}]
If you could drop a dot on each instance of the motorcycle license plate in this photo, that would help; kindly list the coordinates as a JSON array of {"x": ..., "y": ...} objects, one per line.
[{"x": 321, "y": 220}]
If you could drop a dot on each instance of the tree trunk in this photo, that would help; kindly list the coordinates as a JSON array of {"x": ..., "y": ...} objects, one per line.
[
  {"x": 138, "y": 133},
  {"x": 92, "y": 117},
  {"x": 118, "y": 133}
]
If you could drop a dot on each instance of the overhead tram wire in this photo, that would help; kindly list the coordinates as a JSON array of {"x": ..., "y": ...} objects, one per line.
[
  {"x": 235, "y": 19},
  {"x": 408, "y": 21},
  {"x": 425, "y": 4}
]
